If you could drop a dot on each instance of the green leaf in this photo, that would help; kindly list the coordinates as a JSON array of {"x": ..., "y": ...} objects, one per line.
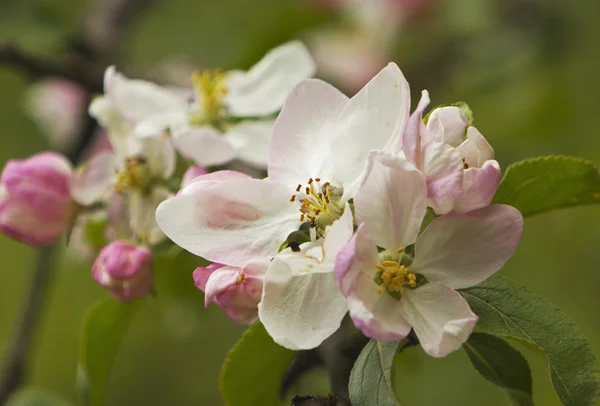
[
  {"x": 548, "y": 183},
  {"x": 507, "y": 309},
  {"x": 253, "y": 369},
  {"x": 371, "y": 378},
  {"x": 35, "y": 397},
  {"x": 502, "y": 365},
  {"x": 104, "y": 327}
]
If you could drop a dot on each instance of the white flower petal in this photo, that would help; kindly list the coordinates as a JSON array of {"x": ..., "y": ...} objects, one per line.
[
  {"x": 441, "y": 318},
  {"x": 251, "y": 141},
  {"x": 93, "y": 180},
  {"x": 138, "y": 100},
  {"x": 205, "y": 145},
  {"x": 454, "y": 123},
  {"x": 462, "y": 250},
  {"x": 263, "y": 89},
  {"x": 391, "y": 201},
  {"x": 302, "y": 132},
  {"x": 160, "y": 155},
  {"x": 300, "y": 311},
  {"x": 230, "y": 221},
  {"x": 142, "y": 219},
  {"x": 371, "y": 120},
  {"x": 476, "y": 150},
  {"x": 119, "y": 130}
]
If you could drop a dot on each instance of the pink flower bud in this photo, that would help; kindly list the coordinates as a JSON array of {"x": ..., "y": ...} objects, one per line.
[
  {"x": 236, "y": 290},
  {"x": 125, "y": 270},
  {"x": 192, "y": 173},
  {"x": 35, "y": 201}
]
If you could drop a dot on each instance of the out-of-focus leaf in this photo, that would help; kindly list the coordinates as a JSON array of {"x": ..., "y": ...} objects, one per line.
[
  {"x": 548, "y": 183},
  {"x": 104, "y": 327},
  {"x": 36, "y": 397},
  {"x": 253, "y": 369},
  {"x": 507, "y": 309},
  {"x": 371, "y": 378},
  {"x": 502, "y": 365}
]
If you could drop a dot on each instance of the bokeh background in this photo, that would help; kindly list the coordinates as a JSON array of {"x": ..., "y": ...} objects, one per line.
[{"x": 529, "y": 69}]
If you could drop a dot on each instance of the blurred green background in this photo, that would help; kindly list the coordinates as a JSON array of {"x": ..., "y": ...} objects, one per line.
[{"x": 529, "y": 69}]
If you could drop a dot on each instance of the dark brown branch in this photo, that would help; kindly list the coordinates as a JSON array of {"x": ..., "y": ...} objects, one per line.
[
  {"x": 74, "y": 68},
  {"x": 14, "y": 365}
]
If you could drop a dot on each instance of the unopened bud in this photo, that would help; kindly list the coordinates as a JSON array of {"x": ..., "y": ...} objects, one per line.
[
  {"x": 125, "y": 270},
  {"x": 236, "y": 290},
  {"x": 35, "y": 202}
]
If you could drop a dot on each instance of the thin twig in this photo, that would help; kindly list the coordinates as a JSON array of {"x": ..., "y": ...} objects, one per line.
[
  {"x": 74, "y": 69},
  {"x": 14, "y": 366}
]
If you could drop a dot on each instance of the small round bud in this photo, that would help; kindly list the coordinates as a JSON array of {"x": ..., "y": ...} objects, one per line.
[
  {"x": 125, "y": 270},
  {"x": 35, "y": 200}
]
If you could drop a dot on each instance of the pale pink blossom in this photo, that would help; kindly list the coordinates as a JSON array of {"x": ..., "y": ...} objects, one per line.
[
  {"x": 125, "y": 270},
  {"x": 237, "y": 290},
  {"x": 200, "y": 121},
  {"x": 456, "y": 159},
  {"x": 411, "y": 284}
]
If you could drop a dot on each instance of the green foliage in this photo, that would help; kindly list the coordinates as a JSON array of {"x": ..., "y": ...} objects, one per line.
[
  {"x": 371, "y": 382},
  {"x": 548, "y": 183},
  {"x": 507, "y": 309},
  {"x": 502, "y": 365},
  {"x": 104, "y": 327},
  {"x": 253, "y": 369},
  {"x": 35, "y": 397}
]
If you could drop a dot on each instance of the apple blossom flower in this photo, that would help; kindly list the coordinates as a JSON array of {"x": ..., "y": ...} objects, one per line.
[
  {"x": 456, "y": 159},
  {"x": 237, "y": 290},
  {"x": 35, "y": 198},
  {"x": 226, "y": 115},
  {"x": 138, "y": 170},
  {"x": 318, "y": 150},
  {"x": 125, "y": 270},
  {"x": 412, "y": 283}
]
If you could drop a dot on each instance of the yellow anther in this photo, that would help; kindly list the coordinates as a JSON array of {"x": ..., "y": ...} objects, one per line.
[
  {"x": 395, "y": 277},
  {"x": 210, "y": 88},
  {"x": 400, "y": 250},
  {"x": 240, "y": 278}
]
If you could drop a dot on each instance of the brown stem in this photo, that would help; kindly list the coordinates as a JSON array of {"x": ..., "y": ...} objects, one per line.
[{"x": 14, "y": 366}]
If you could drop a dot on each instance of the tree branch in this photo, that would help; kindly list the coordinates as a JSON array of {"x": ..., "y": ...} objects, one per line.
[
  {"x": 14, "y": 366},
  {"x": 75, "y": 69}
]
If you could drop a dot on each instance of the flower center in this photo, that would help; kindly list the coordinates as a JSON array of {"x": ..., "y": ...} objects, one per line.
[
  {"x": 394, "y": 277},
  {"x": 135, "y": 174},
  {"x": 210, "y": 90},
  {"x": 319, "y": 203}
]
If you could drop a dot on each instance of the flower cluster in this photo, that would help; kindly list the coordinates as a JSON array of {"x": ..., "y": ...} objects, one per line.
[
  {"x": 367, "y": 209},
  {"x": 161, "y": 138}
]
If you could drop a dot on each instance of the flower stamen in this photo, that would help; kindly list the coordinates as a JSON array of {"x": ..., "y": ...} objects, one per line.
[
  {"x": 318, "y": 202},
  {"x": 210, "y": 88}
]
